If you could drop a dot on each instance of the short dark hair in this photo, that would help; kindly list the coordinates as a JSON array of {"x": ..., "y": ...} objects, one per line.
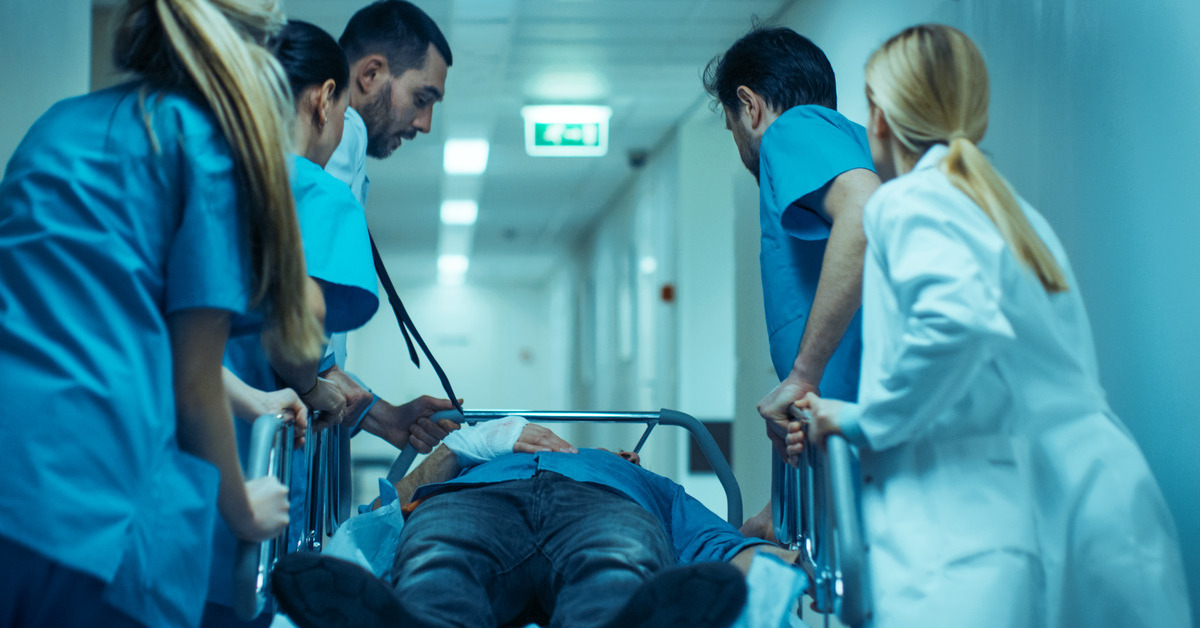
[
  {"x": 779, "y": 64},
  {"x": 398, "y": 30},
  {"x": 310, "y": 56}
]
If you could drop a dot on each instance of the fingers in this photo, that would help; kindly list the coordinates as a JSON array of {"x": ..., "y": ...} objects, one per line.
[
  {"x": 795, "y": 443},
  {"x": 535, "y": 438},
  {"x": 425, "y": 435},
  {"x": 268, "y": 509}
]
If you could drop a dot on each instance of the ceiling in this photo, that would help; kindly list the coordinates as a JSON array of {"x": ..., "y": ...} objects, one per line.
[{"x": 643, "y": 58}]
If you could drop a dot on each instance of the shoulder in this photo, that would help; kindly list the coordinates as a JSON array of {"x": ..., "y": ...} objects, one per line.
[
  {"x": 811, "y": 144},
  {"x": 313, "y": 186},
  {"x": 800, "y": 123}
]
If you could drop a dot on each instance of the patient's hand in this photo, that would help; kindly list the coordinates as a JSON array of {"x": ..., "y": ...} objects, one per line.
[
  {"x": 535, "y": 438},
  {"x": 760, "y": 526},
  {"x": 268, "y": 516}
]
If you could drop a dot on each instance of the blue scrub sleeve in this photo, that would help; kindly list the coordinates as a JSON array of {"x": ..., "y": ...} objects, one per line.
[
  {"x": 801, "y": 154},
  {"x": 337, "y": 247},
  {"x": 208, "y": 264}
]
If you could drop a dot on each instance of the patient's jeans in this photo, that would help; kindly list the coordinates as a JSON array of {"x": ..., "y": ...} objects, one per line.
[{"x": 478, "y": 556}]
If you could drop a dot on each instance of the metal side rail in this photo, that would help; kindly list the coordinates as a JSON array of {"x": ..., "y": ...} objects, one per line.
[
  {"x": 327, "y": 503},
  {"x": 704, "y": 439},
  {"x": 816, "y": 511},
  {"x": 270, "y": 454}
]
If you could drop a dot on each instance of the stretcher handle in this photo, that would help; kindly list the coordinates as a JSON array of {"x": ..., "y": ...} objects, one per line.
[
  {"x": 270, "y": 440},
  {"x": 708, "y": 446}
]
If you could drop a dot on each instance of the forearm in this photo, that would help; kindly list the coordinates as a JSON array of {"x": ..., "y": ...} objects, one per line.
[
  {"x": 380, "y": 418},
  {"x": 204, "y": 423},
  {"x": 742, "y": 559},
  {"x": 438, "y": 466},
  {"x": 838, "y": 297},
  {"x": 243, "y": 399}
]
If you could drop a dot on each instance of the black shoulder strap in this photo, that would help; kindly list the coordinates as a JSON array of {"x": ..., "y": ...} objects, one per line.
[{"x": 407, "y": 327}]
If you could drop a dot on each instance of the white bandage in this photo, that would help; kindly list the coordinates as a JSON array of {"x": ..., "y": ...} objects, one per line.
[{"x": 479, "y": 443}]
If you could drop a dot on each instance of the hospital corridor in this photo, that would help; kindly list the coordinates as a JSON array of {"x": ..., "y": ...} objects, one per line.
[{"x": 894, "y": 307}]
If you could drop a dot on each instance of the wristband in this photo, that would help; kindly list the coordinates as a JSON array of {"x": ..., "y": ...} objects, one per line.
[{"x": 316, "y": 382}]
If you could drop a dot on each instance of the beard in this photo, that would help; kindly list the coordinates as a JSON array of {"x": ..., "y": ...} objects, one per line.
[
  {"x": 751, "y": 162},
  {"x": 377, "y": 116}
]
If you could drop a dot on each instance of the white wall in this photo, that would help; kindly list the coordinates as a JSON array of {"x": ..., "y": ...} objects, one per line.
[
  {"x": 44, "y": 60},
  {"x": 492, "y": 342},
  {"x": 1093, "y": 120}
]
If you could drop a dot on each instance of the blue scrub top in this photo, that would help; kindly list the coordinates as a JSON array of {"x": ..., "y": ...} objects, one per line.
[
  {"x": 337, "y": 252},
  {"x": 337, "y": 247},
  {"x": 104, "y": 232},
  {"x": 801, "y": 153}
]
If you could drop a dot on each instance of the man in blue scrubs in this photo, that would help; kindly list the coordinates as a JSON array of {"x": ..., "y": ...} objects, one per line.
[{"x": 814, "y": 173}]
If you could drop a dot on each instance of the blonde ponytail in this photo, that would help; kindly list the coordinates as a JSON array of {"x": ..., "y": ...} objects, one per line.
[
  {"x": 931, "y": 84},
  {"x": 213, "y": 47},
  {"x": 970, "y": 171}
]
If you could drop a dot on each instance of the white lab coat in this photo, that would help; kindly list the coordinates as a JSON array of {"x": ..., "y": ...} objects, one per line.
[{"x": 999, "y": 490}]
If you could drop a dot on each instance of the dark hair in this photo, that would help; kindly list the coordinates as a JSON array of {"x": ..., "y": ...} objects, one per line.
[
  {"x": 398, "y": 30},
  {"x": 310, "y": 57},
  {"x": 779, "y": 64}
]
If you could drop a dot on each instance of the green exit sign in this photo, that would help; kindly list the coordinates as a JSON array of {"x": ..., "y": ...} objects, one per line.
[
  {"x": 566, "y": 130},
  {"x": 566, "y": 134}
]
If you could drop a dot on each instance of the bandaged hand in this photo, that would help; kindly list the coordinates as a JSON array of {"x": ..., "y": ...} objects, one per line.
[{"x": 480, "y": 443}]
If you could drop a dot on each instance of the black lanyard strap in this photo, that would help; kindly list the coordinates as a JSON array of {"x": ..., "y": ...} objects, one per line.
[{"x": 407, "y": 327}]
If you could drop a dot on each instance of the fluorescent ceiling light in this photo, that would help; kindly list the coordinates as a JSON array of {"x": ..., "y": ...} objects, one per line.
[
  {"x": 576, "y": 86},
  {"x": 462, "y": 212},
  {"x": 566, "y": 130},
  {"x": 452, "y": 269},
  {"x": 453, "y": 264},
  {"x": 465, "y": 156}
]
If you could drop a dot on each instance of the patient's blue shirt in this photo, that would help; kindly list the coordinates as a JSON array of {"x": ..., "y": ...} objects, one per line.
[{"x": 696, "y": 533}]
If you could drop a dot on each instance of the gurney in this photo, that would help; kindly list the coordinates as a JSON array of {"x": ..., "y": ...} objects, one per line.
[
  {"x": 328, "y": 502},
  {"x": 815, "y": 510}
]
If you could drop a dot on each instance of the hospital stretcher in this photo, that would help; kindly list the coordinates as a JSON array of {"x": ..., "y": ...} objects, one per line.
[
  {"x": 814, "y": 507},
  {"x": 327, "y": 503}
]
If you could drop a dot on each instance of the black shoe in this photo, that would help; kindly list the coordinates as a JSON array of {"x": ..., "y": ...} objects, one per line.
[
  {"x": 318, "y": 591},
  {"x": 703, "y": 595}
]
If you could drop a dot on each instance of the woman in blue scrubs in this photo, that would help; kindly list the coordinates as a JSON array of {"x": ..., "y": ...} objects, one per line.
[
  {"x": 138, "y": 226},
  {"x": 337, "y": 253}
]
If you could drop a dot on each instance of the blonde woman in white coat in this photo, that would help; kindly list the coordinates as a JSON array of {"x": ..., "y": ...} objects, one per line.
[{"x": 999, "y": 489}]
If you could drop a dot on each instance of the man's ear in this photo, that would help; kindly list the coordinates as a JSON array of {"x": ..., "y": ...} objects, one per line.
[
  {"x": 370, "y": 73},
  {"x": 753, "y": 106}
]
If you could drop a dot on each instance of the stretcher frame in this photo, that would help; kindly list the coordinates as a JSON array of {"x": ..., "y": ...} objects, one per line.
[
  {"x": 815, "y": 510},
  {"x": 328, "y": 499}
]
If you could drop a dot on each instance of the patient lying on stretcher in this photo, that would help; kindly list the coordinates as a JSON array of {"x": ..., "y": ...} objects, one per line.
[{"x": 548, "y": 533}]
